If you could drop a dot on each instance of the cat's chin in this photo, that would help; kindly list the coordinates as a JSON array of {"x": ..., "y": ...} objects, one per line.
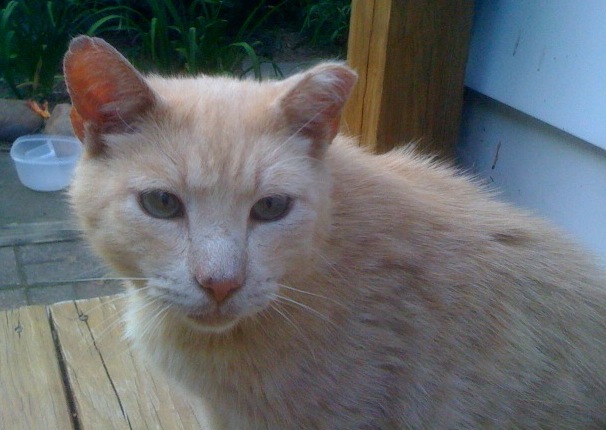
[{"x": 212, "y": 324}]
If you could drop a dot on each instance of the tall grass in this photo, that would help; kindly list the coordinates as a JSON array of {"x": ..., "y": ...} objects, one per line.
[
  {"x": 34, "y": 35},
  {"x": 326, "y": 21},
  {"x": 197, "y": 37},
  {"x": 167, "y": 36}
]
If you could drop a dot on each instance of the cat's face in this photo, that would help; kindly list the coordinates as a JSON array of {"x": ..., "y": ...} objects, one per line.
[{"x": 211, "y": 191}]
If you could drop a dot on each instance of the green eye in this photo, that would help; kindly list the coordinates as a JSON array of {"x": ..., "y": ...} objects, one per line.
[
  {"x": 161, "y": 204},
  {"x": 271, "y": 208}
]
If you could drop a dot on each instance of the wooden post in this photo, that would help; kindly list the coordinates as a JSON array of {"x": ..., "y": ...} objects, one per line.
[{"x": 410, "y": 56}]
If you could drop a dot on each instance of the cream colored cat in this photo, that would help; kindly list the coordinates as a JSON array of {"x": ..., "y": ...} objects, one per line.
[{"x": 295, "y": 281}]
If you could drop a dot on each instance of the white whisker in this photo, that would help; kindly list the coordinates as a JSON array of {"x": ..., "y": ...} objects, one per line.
[
  {"x": 309, "y": 121},
  {"x": 118, "y": 316},
  {"x": 320, "y": 315},
  {"x": 284, "y": 313},
  {"x": 115, "y": 298},
  {"x": 333, "y": 267},
  {"x": 103, "y": 279},
  {"x": 160, "y": 314},
  {"x": 308, "y": 293},
  {"x": 107, "y": 329}
]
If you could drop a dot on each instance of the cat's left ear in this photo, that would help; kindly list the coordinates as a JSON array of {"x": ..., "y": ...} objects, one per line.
[{"x": 313, "y": 105}]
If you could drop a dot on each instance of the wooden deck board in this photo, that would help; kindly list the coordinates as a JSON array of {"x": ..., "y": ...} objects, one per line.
[
  {"x": 111, "y": 388},
  {"x": 32, "y": 393}
]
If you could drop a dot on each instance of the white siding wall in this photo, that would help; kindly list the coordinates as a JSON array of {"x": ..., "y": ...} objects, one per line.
[{"x": 538, "y": 74}]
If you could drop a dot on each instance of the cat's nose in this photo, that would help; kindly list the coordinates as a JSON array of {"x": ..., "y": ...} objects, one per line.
[{"x": 219, "y": 289}]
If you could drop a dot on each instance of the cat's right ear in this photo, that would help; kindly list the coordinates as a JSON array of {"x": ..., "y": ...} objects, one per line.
[{"x": 108, "y": 94}]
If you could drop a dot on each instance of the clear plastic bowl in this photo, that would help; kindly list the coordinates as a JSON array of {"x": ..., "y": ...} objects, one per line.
[{"x": 46, "y": 162}]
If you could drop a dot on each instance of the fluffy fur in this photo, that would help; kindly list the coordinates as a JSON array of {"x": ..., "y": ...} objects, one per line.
[{"x": 396, "y": 293}]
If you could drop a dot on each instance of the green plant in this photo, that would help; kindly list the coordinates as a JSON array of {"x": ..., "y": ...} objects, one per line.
[
  {"x": 197, "y": 37},
  {"x": 326, "y": 21},
  {"x": 34, "y": 35},
  {"x": 7, "y": 54}
]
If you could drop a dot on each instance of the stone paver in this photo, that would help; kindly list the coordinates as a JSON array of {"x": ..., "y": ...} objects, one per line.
[
  {"x": 59, "y": 262},
  {"x": 12, "y": 298},
  {"x": 41, "y": 274},
  {"x": 87, "y": 290},
  {"x": 9, "y": 276},
  {"x": 54, "y": 272},
  {"x": 50, "y": 294}
]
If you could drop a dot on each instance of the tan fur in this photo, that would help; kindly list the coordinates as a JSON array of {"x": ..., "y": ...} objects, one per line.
[{"x": 395, "y": 294}]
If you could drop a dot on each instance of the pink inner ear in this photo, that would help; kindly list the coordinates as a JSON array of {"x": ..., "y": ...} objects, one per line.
[
  {"x": 93, "y": 96},
  {"x": 105, "y": 88},
  {"x": 313, "y": 106}
]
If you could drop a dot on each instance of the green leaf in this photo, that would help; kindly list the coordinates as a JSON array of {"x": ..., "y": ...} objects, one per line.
[
  {"x": 192, "y": 63},
  {"x": 152, "y": 38},
  {"x": 100, "y": 23},
  {"x": 252, "y": 55}
]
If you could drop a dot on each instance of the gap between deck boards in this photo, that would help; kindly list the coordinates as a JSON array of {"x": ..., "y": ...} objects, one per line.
[{"x": 67, "y": 389}]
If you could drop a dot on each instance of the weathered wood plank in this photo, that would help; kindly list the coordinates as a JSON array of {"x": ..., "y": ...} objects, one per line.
[
  {"x": 412, "y": 73},
  {"x": 32, "y": 394},
  {"x": 38, "y": 232},
  {"x": 112, "y": 388}
]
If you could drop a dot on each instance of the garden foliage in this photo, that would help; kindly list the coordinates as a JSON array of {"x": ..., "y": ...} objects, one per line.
[{"x": 166, "y": 36}]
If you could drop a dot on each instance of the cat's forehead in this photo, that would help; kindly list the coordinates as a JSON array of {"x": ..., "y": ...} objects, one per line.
[
  {"x": 221, "y": 112},
  {"x": 215, "y": 133},
  {"x": 217, "y": 100}
]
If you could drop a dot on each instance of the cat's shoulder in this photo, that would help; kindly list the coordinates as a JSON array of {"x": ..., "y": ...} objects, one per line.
[{"x": 406, "y": 163}]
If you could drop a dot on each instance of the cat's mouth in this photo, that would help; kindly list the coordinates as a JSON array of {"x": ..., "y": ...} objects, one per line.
[
  {"x": 202, "y": 315},
  {"x": 214, "y": 321}
]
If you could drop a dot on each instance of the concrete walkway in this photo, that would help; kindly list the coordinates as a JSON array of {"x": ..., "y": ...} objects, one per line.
[{"x": 43, "y": 260}]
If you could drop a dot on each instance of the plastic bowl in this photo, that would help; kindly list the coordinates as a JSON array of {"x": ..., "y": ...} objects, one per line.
[{"x": 46, "y": 162}]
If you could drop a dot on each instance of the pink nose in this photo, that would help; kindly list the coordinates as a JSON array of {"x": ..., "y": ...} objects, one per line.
[{"x": 220, "y": 289}]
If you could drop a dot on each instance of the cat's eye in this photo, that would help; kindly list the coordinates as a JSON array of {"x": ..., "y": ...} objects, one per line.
[
  {"x": 161, "y": 204},
  {"x": 271, "y": 208}
]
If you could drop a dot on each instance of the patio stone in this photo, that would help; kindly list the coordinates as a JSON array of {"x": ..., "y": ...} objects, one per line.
[
  {"x": 50, "y": 294},
  {"x": 88, "y": 290},
  {"x": 8, "y": 268},
  {"x": 10, "y": 299},
  {"x": 59, "y": 262}
]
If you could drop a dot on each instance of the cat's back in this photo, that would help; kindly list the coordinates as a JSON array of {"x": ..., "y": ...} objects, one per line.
[
  {"x": 425, "y": 200},
  {"x": 492, "y": 309}
]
